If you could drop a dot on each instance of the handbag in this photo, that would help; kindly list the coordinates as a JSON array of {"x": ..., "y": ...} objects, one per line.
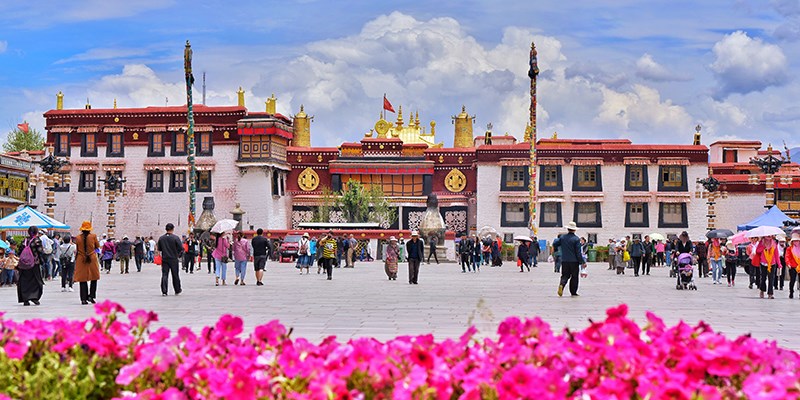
[
  {"x": 626, "y": 256},
  {"x": 157, "y": 259},
  {"x": 224, "y": 259}
]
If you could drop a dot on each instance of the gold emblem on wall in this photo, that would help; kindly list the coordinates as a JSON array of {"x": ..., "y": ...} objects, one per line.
[
  {"x": 455, "y": 181},
  {"x": 226, "y": 135},
  {"x": 319, "y": 158},
  {"x": 441, "y": 159},
  {"x": 135, "y": 136},
  {"x": 308, "y": 180}
]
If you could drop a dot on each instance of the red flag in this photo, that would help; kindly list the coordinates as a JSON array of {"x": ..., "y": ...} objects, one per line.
[
  {"x": 24, "y": 127},
  {"x": 386, "y": 105}
]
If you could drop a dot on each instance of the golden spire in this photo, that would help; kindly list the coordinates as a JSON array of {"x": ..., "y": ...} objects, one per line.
[
  {"x": 241, "y": 96},
  {"x": 59, "y": 100},
  {"x": 416, "y": 120},
  {"x": 302, "y": 113},
  {"x": 433, "y": 128},
  {"x": 271, "y": 101},
  {"x": 555, "y": 135},
  {"x": 697, "y": 130},
  {"x": 87, "y": 106},
  {"x": 302, "y": 129},
  {"x": 399, "y": 117},
  {"x": 115, "y": 103}
]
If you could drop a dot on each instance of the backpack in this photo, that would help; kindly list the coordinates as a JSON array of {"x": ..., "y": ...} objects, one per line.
[
  {"x": 47, "y": 244},
  {"x": 26, "y": 259}
]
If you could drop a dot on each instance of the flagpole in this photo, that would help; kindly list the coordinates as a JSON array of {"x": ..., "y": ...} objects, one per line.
[
  {"x": 187, "y": 65},
  {"x": 533, "y": 72}
]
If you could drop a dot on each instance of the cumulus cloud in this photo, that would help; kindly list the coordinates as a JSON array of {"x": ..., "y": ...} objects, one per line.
[
  {"x": 647, "y": 68},
  {"x": 743, "y": 64}
]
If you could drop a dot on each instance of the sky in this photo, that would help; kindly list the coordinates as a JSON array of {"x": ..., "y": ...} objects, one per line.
[{"x": 649, "y": 71}]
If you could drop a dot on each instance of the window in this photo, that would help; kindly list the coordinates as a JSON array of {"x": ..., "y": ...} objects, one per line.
[
  {"x": 636, "y": 215},
  {"x": 275, "y": 183},
  {"x": 89, "y": 145},
  {"x": 672, "y": 178},
  {"x": 392, "y": 185},
  {"x": 514, "y": 215},
  {"x": 177, "y": 181},
  {"x": 62, "y": 147},
  {"x": 155, "y": 145},
  {"x": 591, "y": 238},
  {"x": 588, "y": 215},
  {"x": 114, "y": 145},
  {"x": 203, "y": 181},
  {"x": 88, "y": 181},
  {"x": 636, "y": 178},
  {"x": 550, "y": 178},
  {"x": 550, "y": 215},
  {"x": 587, "y": 178},
  {"x": 729, "y": 156},
  {"x": 672, "y": 215},
  {"x": 254, "y": 147},
  {"x": 204, "y": 144},
  {"x": 514, "y": 179},
  {"x": 179, "y": 144},
  {"x": 155, "y": 181},
  {"x": 60, "y": 182}
]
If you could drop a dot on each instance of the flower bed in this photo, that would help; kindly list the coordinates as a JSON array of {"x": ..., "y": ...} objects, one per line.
[{"x": 117, "y": 356}]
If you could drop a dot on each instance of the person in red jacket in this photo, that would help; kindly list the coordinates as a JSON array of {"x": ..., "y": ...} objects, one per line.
[
  {"x": 792, "y": 257},
  {"x": 769, "y": 258},
  {"x": 754, "y": 269}
]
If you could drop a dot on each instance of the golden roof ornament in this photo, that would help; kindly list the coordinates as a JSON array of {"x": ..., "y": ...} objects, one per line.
[
  {"x": 555, "y": 136},
  {"x": 399, "y": 117},
  {"x": 115, "y": 104},
  {"x": 302, "y": 113},
  {"x": 240, "y": 94},
  {"x": 271, "y": 102},
  {"x": 59, "y": 100}
]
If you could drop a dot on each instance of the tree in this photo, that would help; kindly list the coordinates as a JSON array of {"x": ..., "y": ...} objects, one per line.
[
  {"x": 357, "y": 204},
  {"x": 18, "y": 140}
]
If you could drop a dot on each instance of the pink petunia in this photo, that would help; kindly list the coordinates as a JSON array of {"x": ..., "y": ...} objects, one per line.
[
  {"x": 15, "y": 351},
  {"x": 763, "y": 387}
]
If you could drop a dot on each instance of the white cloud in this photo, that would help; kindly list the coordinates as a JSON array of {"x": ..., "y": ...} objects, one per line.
[
  {"x": 43, "y": 13},
  {"x": 743, "y": 64},
  {"x": 647, "y": 68},
  {"x": 100, "y": 54},
  {"x": 3, "y": 46}
]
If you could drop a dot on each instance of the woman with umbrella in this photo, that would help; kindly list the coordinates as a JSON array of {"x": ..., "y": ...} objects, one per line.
[
  {"x": 31, "y": 286},
  {"x": 768, "y": 256},
  {"x": 792, "y": 256},
  {"x": 222, "y": 246}
]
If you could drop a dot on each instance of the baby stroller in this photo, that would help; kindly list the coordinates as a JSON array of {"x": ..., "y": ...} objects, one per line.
[{"x": 685, "y": 272}]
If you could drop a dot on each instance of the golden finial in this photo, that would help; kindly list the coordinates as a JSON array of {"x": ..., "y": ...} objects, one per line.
[
  {"x": 241, "y": 96},
  {"x": 115, "y": 103},
  {"x": 555, "y": 136},
  {"x": 87, "y": 106},
  {"x": 697, "y": 130},
  {"x": 271, "y": 103},
  {"x": 416, "y": 120},
  {"x": 433, "y": 128},
  {"x": 399, "y": 117},
  {"x": 59, "y": 100}
]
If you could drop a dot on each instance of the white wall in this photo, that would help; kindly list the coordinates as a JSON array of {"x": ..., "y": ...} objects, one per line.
[{"x": 738, "y": 209}]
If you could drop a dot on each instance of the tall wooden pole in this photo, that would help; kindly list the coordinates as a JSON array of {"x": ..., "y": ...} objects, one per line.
[
  {"x": 187, "y": 66},
  {"x": 533, "y": 72}
]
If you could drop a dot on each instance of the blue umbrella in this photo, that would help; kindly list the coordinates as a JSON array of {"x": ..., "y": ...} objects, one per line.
[{"x": 4, "y": 245}]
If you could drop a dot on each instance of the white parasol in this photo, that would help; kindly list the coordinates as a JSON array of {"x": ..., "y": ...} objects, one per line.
[
  {"x": 763, "y": 231},
  {"x": 225, "y": 225}
]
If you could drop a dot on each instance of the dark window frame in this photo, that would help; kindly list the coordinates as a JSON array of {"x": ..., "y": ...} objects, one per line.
[
  {"x": 84, "y": 144},
  {"x": 174, "y": 143},
  {"x": 683, "y": 187},
  {"x": 559, "y": 221},
  {"x": 645, "y": 179},
  {"x": 559, "y": 187},
  {"x": 151, "y": 152},
  {"x": 173, "y": 181},
  {"x": 598, "y": 183},
  {"x": 685, "y": 217},
  {"x": 82, "y": 181},
  {"x": 526, "y": 178},
  {"x": 155, "y": 189},
  {"x": 514, "y": 224},
  {"x": 199, "y": 140},
  {"x": 275, "y": 184},
  {"x": 645, "y": 220},
  {"x": 598, "y": 210},
  {"x": 198, "y": 187},
  {"x": 109, "y": 145},
  {"x": 58, "y": 148},
  {"x": 59, "y": 178}
]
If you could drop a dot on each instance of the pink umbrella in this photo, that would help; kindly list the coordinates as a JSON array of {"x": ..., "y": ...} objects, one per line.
[{"x": 739, "y": 238}]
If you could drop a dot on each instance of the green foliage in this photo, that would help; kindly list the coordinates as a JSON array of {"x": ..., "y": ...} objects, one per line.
[
  {"x": 357, "y": 204},
  {"x": 329, "y": 202},
  {"x": 18, "y": 140}
]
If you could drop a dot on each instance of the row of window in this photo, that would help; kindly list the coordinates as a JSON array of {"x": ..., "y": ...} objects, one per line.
[
  {"x": 155, "y": 145},
  {"x": 589, "y": 178},
  {"x": 155, "y": 181},
  {"x": 589, "y": 215}
]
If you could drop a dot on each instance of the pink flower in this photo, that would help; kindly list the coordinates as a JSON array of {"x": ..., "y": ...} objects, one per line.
[
  {"x": 15, "y": 351},
  {"x": 108, "y": 307},
  {"x": 142, "y": 318},
  {"x": 762, "y": 386},
  {"x": 229, "y": 326}
]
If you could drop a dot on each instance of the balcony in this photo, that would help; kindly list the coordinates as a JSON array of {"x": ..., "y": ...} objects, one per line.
[{"x": 788, "y": 206}]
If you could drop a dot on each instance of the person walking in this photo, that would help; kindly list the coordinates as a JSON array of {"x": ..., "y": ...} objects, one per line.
[
  {"x": 416, "y": 253},
  {"x": 731, "y": 262},
  {"x": 433, "y": 240},
  {"x": 30, "y": 285},
  {"x": 755, "y": 266},
  {"x": 557, "y": 254},
  {"x": 107, "y": 252},
  {"x": 701, "y": 250},
  {"x": 220, "y": 254},
  {"x": 138, "y": 253},
  {"x": 304, "y": 253},
  {"x": 571, "y": 260},
  {"x": 533, "y": 252},
  {"x": 636, "y": 250},
  {"x": 792, "y": 257},
  {"x": 716, "y": 254},
  {"x": 649, "y": 255},
  {"x": 190, "y": 257},
  {"x": 768, "y": 256},
  {"x": 66, "y": 252},
  {"x": 8, "y": 263},
  {"x": 612, "y": 253},
  {"x": 170, "y": 247},
  {"x": 87, "y": 270},
  {"x": 660, "y": 248},
  {"x": 241, "y": 253},
  {"x": 329, "y": 249},
  {"x": 352, "y": 246},
  {"x": 619, "y": 257},
  {"x": 523, "y": 257},
  {"x": 465, "y": 251},
  {"x": 392, "y": 258},
  {"x": 124, "y": 252},
  {"x": 486, "y": 247},
  {"x": 476, "y": 253},
  {"x": 261, "y": 252}
]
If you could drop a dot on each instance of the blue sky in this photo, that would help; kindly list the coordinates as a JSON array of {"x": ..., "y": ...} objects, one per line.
[{"x": 649, "y": 71}]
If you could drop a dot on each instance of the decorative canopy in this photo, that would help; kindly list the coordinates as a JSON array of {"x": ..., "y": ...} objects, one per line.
[
  {"x": 27, "y": 217},
  {"x": 772, "y": 217}
]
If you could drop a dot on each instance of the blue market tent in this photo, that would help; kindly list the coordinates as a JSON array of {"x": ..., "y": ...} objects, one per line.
[
  {"x": 27, "y": 217},
  {"x": 772, "y": 217}
]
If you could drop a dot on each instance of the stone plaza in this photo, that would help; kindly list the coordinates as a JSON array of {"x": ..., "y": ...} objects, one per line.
[{"x": 362, "y": 302}]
